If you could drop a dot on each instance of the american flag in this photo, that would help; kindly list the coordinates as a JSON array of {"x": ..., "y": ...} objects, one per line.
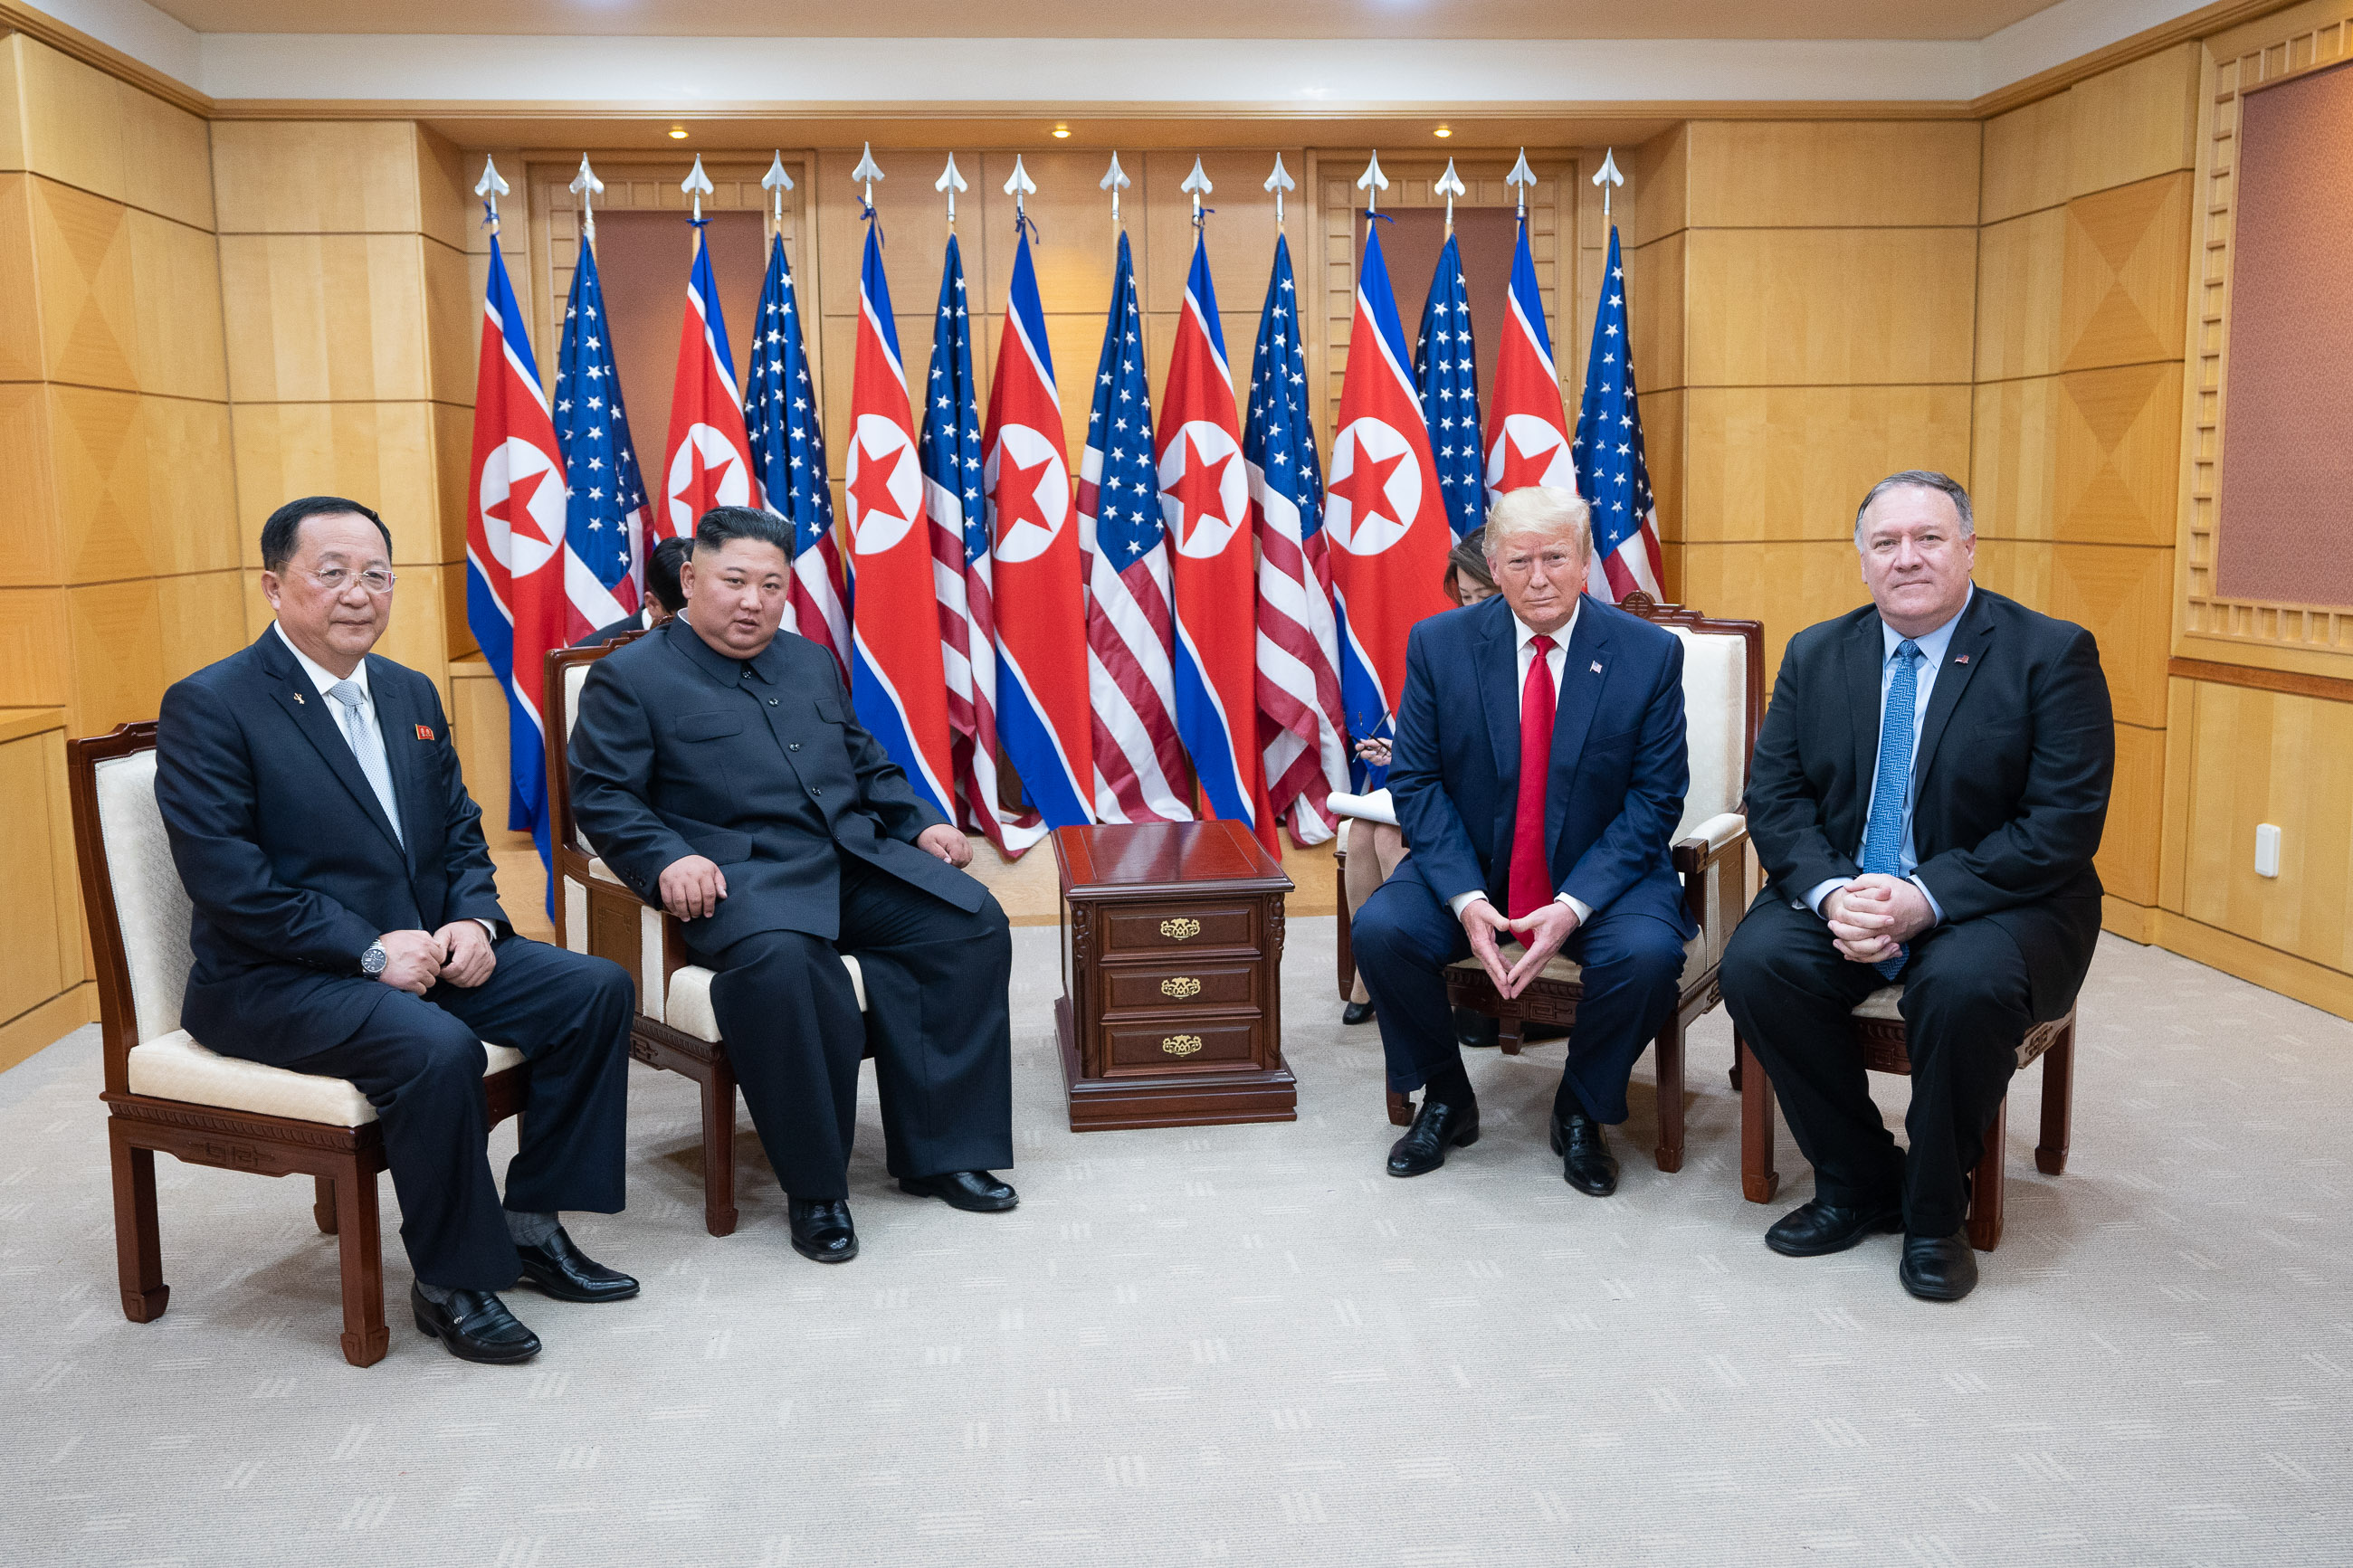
[
  {"x": 1610, "y": 472},
  {"x": 951, "y": 449},
  {"x": 606, "y": 521},
  {"x": 1446, "y": 370},
  {"x": 1298, "y": 641},
  {"x": 780, "y": 414},
  {"x": 1141, "y": 773}
]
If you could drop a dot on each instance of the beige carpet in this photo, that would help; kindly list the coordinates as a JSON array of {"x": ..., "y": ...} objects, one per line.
[{"x": 1248, "y": 1345}]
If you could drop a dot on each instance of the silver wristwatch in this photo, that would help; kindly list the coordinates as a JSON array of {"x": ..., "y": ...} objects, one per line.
[{"x": 372, "y": 961}]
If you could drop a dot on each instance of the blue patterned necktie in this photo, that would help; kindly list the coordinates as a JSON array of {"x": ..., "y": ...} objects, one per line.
[{"x": 1883, "y": 839}]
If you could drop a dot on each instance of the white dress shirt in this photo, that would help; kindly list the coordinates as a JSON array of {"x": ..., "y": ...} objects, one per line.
[
  {"x": 325, "y": 680},
  {"x": 1555, "y": 661},
  {"x": 1932, "y": 647}
]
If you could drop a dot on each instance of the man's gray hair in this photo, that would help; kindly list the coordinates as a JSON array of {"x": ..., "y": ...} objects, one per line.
[
  {"x": 1918, "y": 480},
  {"x": 1538, "y": 508}
]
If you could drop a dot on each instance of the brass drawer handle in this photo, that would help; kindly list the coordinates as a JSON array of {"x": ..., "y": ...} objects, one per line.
[
  {"x": 1182, "y": 986},
  {"x": 1181, "y": 1044},
  {"x": 1180, "y": 929}
]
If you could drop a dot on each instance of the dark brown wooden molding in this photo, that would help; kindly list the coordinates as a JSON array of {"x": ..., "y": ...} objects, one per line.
[{"x": 2328, "y": 687}]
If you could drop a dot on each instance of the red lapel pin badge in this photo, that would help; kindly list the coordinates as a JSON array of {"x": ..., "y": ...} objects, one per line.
[{"x": 423, "y": 733}]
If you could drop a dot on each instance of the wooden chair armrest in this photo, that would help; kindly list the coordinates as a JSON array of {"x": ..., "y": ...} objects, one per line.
[{"x": 1705, "y": 860}]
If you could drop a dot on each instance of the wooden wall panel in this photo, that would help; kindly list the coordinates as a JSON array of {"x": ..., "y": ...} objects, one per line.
[
  {"x": 447, "y": 209},
  {"x": 328, "y": 318},
  {"x": 452, "y": 432},
  {"x": 1656, "y": 308},
  {"x": 2134, "y": 121},
  {"x": 12, "y": 92},
  {"x": 1664, "y": 419},
  {"x": 1830, "y": 307},
  {"x": 1789, "y": 585},
  {"x": 478, "y": 728},
  {"x": 1794, "y": 462},
  {"x": 294, "y": 177},
  {"x": 379, "y": 454},
  {"x": 1656, "y": 199},
  {"x": 453, "y": 325},
  {"x": 39, "y": 924},
  {"x": 2122, "y": 594},
  {"x": 2026, "y": 164},
  {"x": 2126, "y": 274},
  {"x": 2020, "y": 265},
  {"x": 2013, "y": 458},
  {"x": 167, "y": 160},
  {"x": 72, "y": 119},
  {"x": 22, "y": 356},
  {"x": 176, "y": 275},
  {"x": 142, "y": 485},
  {"x": 1832, "y": 173},
  {"x": 35, "y": 666},
  {"x": 29, "y": 548},
  {"x": 2128, "y": 849},
  {"x": 82, "y": 251},
  {"x": 130, "y": 640},
  {"x": 2260, "y": 757},
  {"x": 2118, "y": 440}
]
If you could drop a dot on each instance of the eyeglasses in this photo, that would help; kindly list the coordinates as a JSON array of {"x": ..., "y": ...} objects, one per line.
[{"x": 335, "y": 579}]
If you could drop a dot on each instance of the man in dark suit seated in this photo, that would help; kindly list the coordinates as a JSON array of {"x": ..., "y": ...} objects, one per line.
[
  {"x": 1538, "y": 771},
  {"x": 346, "y": 924},
  {"x": 719, "y": 770},
  {"x": 1929, "y": 786},
  {"x": 664, "y": 598}
]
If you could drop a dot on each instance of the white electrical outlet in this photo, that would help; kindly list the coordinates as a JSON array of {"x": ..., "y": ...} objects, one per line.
[{"x": 2267, "y": 840}]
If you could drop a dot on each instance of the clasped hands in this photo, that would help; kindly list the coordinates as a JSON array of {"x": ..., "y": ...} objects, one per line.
[
  {"x": 416, "y": 961},
  {"x": 691, "y": 886},
  {"x": 1541, "y": 931},
  {"x": 1873, "y": 916}
]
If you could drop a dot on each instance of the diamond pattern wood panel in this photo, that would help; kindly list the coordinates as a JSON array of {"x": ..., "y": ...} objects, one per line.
[
  {"x": 381, "y": 452},
  {"x": 2125, "y": 270}
]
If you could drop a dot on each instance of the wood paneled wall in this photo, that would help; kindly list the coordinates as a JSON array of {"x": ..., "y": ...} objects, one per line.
[{"x": 44, "y": 985}]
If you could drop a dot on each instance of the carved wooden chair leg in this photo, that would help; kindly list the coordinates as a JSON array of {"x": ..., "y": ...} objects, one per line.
[
  {"x": 719, "y": 1213},
  {"x": 1759, "y": 1180},
  {"x": 1400, "y": 1110},
  {"x": 1985, "y": 1185},
  {"x": 323, "y": 1204},
  {"x": 1347, "y": 950},
  {"x": 138, "y": 1241},
  {"x": 361, "y": 1243},
  {"x": 1507, "y": 1033},
  {"x": 1670, "y": 1060},
  {"x": 2058, "y": 1103}
]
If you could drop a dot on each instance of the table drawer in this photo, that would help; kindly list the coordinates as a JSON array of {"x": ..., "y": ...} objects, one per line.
[
  {"x": 1180, "y": 1045},
  {"x": 1169, "y": 930},
  {"x": 1166, "y": 988}
]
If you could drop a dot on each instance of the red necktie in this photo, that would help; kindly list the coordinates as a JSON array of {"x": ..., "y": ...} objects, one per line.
[{"x": 1531, "y": 885}]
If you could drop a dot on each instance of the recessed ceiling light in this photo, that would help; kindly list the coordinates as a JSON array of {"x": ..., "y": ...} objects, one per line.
[
  {"x": 1443, "y": 132},
  {"x": 678, "y": 132},
  {"x": 1061, "y": 132}
]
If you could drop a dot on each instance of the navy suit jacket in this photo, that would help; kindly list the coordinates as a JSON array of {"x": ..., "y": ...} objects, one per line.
[
  {"x": 289, "y": 858},
  {"x": 678, "y": 751},
  {"x": 1620, "y": 764}
]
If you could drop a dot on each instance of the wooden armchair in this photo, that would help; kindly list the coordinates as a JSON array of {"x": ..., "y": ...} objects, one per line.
[
  {"x": 166, "y": 1093},
  {"x": 1723, "y": 697},
  {"x": 1878, "y": 1026},
  {"x": 596, "y": 912}
]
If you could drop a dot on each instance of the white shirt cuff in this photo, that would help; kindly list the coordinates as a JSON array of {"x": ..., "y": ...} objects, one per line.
[
  {"x": 1934, "y": 908},
  {"x": 1821, "y": 890},
  {"x": 1462, "y": 901},
  {"x": 492, "y": 931}
]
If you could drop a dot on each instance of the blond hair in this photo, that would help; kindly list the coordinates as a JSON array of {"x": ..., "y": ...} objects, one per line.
[{"x": 1541, "y": 509}]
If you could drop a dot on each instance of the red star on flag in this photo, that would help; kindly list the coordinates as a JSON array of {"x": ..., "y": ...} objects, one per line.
[
  {"x": 1017, "y": 492},
  {"x": 871, "y": 487},
  {"x": 1200, "y": 488},
  {"x": 703, "y": 480},
  {"x": 1367, "y": 489},
  {"x": 1522, "y": 468},
  {"x": 516, "y": 511}
]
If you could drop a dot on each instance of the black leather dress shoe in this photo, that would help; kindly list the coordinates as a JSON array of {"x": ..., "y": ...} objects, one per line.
[
  {"x": 1938, "y": 1268},
  {"x": 1587, "y": 1162},
  {"x": 1475, "y": 1029},
  {"x": 1357, "y": 1013},
  {"x": 821, "y": 1230},
  {"x": 1436, "y": 1129},
  {"x": 974, "y": 1192},
  {"x": 561, "y": 1270},
  {"x": 475, "y": 1326},
  {"x": 1816, "y": 1229}
]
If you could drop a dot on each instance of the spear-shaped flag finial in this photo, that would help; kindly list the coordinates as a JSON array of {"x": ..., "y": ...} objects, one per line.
[
  {"x": 696, "y": 184},
  {"x": 586, "y": 187},
  {"x": 1520, "y": 179},
  {"x": 775, "y": 182},
  {"x": 1450, "y": 185},
  {"x": 1114, "y": 180},
  {"x": 1607, "y": 172},
  {"x": 491, "y": 187},
  {"x": 1198, "y": 184},
  {"x": 951, "y": 181},
  {"x": 869, "y": 170},
  {"x": 1019, "y": 186},
  {"x": 1280, "y": 181},
  {"x": 1372, "y": 182}
]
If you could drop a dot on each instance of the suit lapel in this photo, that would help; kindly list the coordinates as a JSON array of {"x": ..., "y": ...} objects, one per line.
[
  {"x": 1963, "y": 655},
  {"x": 1499, "y": 694},
  {"x": 310, "y": 711},
  {"x": 1583, "y": 673},
  {"x": 398, "y": 720},
  {"x": 1865, "y": 654}
]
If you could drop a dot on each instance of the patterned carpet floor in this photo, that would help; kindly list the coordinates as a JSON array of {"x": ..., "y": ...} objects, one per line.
[{"x": 1248, "y": 1345}]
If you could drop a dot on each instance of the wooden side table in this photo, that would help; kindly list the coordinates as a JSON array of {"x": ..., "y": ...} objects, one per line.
[{"x": 1171, "y": 1013}]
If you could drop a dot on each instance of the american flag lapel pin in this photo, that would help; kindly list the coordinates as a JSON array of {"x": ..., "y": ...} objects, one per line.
[
  {"x": 1960, "y": 659},
  {"x": 1596, "y": 667}
]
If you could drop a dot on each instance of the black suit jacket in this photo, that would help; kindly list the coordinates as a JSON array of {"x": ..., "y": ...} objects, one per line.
[
  {"x": 627, "y": 626},
  {"x": 287, "y": 856},
  {"x": 677, "y": 751},
  {"x": 2010, "y": 783}
]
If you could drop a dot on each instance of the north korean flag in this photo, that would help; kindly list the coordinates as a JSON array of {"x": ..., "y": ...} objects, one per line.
[
  {"x": 1528, "y": 433},
  {"x": 708, "y": 460}
]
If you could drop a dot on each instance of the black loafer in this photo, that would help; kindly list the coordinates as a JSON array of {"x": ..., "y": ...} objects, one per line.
[
  {"x": 974, "y": 1192},
  {"x": 1357, "y": 1013},
  {"x": 561, "y": 1270},
  {"x": 1436, "y": 1129},
  {"x": 475, "y": 1326},
  {"x": 1816, "y": 1229},
  {"x": 821, "y": 1230},
  {"x": 1938, "y": 1268},
  {"x": 1475, "y": 1029},
  {"x": 1587, "y": 1162}
]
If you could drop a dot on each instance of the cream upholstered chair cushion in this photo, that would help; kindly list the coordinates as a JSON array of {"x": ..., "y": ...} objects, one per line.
[
  {"x": 152, "y": 910},
  {"x": 1715, "y": 723},
  {"x": 688, "y": 1008}
]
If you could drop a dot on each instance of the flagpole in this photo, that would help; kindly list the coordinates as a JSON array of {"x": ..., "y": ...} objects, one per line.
[
  {"x": 1021, "y": 187},
  {"x": 1450, "y": 185},
  {"x": 951, "y": 181},
  {"x": 1114, "y": 181},
  {"x": 586, "y": 184},
  {"x": 1280, "y": 181},
  {"x": 1606, "y": 176},
  {"x": 1520, "y": 179},
  {"x": 491, "y": 187},
  {"x": 775, "y": 182},
  {"x": 1372, "y": 182},
  {"x": 869, "y": 172},
  {"x": 1198, "y": 182},
  {"x": 696, "y": 184}
]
